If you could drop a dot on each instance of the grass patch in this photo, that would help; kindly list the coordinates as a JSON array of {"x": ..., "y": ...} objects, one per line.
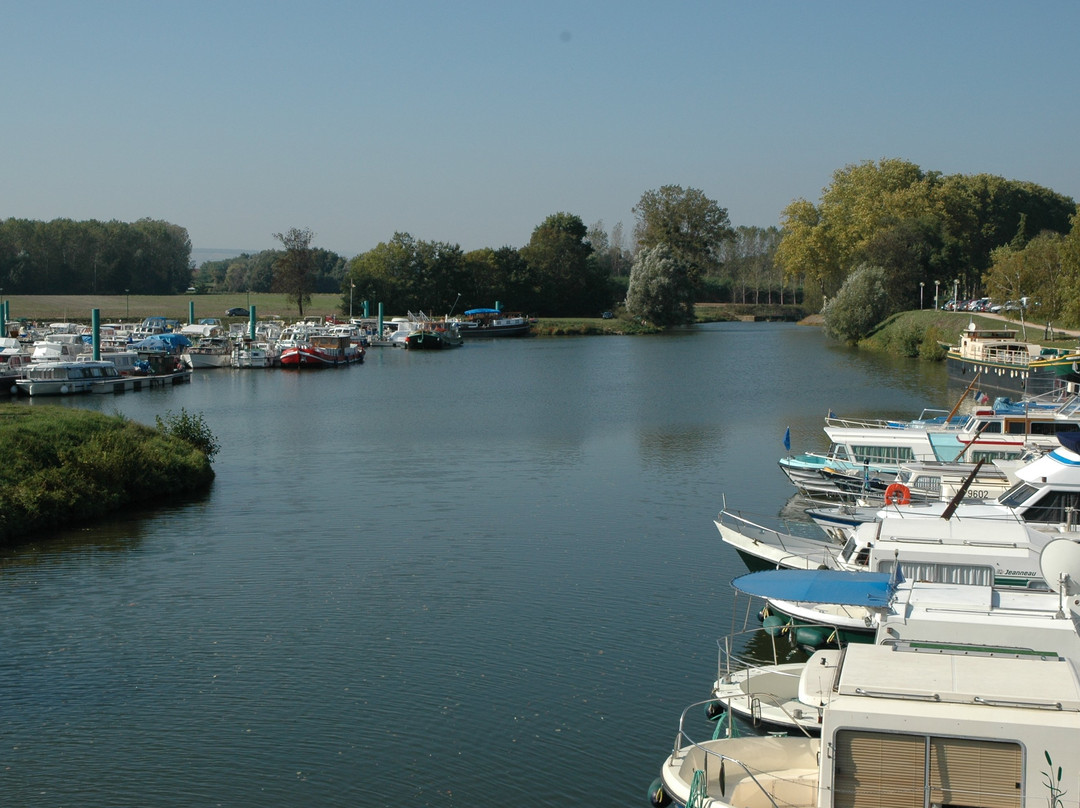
[{"x": 67, "y": 466}]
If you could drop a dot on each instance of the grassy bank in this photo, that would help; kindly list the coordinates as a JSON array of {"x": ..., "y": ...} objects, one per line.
[
  {"x": 919, "y": 333},
  {"x": 68, "y": 466},
  {"x": 126, "y": 308}
]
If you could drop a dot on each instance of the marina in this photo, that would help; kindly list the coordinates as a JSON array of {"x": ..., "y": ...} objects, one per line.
[{"x": 563, "y": 585}]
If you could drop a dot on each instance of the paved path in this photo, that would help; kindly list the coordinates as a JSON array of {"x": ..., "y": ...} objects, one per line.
[{"x": 1035, "y": 330}]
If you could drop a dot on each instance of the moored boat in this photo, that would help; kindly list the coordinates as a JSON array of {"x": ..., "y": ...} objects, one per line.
[
  {"x": 493, "y": 323},
  {"x": 967, "y": 697},
  {"x": 1007, "y": 364},
  {"x": 70, "y": 378},
  {"x": 209, "y": 352},
  {"x": 321, "y": 351},
  {"x": 433, "y": 337}
]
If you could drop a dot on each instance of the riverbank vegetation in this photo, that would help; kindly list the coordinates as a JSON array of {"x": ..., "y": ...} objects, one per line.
[
  {"x": 69, "y": 466},
  {"x": 922, "y": 334},
  {"x": 888, "y": 237},
  {"x": 884, "y": 237}
]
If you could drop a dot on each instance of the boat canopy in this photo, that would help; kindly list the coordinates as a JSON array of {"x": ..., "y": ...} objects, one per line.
[
  {"x": 482, "y": 311},
  {"x": 162, "y": 342},
  {"x": 871, "y": 589}
]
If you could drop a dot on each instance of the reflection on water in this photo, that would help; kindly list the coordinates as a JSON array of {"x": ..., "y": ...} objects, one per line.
[{"x": 484, "y": 577}]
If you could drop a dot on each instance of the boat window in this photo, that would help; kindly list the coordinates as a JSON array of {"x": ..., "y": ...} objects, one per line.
[
  {"x": 1054, "y": 507},
  {"x": 901, "y": 770},
  {"x": 984, "y": 454},
  {"x": 963, "y": 574},
  {"x": 1017, "y": 494},
  {"x": 838, "y": 451},
  {"x": 1017, "y": 427},
  {"x": 849, "y": 548},
  {"x": 988, "y": 427},
  {"x": 886, "y": 454},
  {"x": 927, "y": 482}
]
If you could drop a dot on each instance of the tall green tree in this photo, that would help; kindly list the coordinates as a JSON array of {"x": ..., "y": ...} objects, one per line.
[
  {"x": 660, "y": 290},
  {"x": 693, "y": 226},
  {"x": 558, "y": 255},
  {"x": 294, "y": 271}
]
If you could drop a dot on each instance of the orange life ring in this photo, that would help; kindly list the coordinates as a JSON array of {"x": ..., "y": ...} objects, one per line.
[{"x": 897, "y": 494}]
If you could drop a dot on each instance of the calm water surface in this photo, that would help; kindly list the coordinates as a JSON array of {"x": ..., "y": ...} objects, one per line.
[{"x": 486, "y": 577}]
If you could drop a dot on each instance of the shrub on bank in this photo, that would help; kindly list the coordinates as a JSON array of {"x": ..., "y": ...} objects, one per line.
[{"x": 66, "y": 466}]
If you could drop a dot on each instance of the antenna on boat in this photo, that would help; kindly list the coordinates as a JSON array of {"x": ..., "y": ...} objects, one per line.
[{"x": 454, "y": 306}]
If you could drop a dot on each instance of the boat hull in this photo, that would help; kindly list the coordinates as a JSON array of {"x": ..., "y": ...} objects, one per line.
[
  {"x": 1037, "y": 378},
  {"x": 312, "y": 358}
]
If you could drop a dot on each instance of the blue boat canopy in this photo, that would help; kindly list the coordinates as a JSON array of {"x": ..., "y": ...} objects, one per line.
[
  {"x": 482, "y": 311},
  {"x": 844, "y": 588}
]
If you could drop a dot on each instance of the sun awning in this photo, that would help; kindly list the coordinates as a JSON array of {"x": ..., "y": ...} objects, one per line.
[{"x": 871, "y": 589}]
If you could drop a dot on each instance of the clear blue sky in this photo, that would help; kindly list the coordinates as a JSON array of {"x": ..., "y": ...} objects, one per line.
[{"x": 470, "y": 122}]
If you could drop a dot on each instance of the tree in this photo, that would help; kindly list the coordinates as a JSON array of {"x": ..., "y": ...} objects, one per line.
[
  {"x": 693, "y": 226},
  {"x": 660, "y": 290},
  {"x": 559, "y": 259},
  {"x": 860, "y": 305},
  {"x": 294, "y": 271}
]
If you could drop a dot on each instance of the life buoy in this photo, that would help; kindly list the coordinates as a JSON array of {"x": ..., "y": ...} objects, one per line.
[{"x": 897, "y": 494}]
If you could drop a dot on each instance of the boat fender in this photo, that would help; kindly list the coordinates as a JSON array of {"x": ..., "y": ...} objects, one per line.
[
  {"x": 63, "y": 389},
  {"x": 657, "y": 796},
  {"x": 774, "y": 625},
  {"x": 714, "y": 710},
  {"x": 897, "y": 494}
]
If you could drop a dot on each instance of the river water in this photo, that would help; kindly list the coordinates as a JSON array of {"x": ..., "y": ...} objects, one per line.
[{"x": 484, "y": 577}]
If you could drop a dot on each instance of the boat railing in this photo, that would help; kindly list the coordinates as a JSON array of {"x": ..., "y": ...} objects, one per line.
[
  {"x": 774, "y": 537},
  {"x": 714, "y": 762},
  {"x": 730, "y": 665},
  {"x": 939, "y": 423}
]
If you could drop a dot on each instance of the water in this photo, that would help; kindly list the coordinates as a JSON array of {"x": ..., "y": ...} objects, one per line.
[{"x": 484, "y": 577}]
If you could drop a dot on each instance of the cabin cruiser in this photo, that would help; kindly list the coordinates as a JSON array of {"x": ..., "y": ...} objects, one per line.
[
  {"x": 1046, "y": 493},
  {"x": 968, "y": 696},
  {"x": 878, "y": 448}
]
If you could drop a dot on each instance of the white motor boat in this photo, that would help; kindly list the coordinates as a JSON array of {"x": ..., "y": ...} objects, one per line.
[{"x": 971, "y": 699}]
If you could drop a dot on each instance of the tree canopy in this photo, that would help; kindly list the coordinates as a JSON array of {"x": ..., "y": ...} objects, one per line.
[
  {"x": 293, "y": 271},
  {"x": 92, "y": 257},
  {"x": 660, "y": 290},
  {"x": 693, "y": 226},
  {"x": 917, "y": 225},
  {"x": 559, "y": 259}
]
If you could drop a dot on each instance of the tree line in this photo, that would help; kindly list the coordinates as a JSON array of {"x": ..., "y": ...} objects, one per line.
[
  {"x": 889, "y": 225},
  {"x": 885, "y": 236},
  {"x": 91, "y": 257}
]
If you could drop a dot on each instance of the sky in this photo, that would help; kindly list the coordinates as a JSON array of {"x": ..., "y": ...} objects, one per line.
[{"x": 471, "y": 122}]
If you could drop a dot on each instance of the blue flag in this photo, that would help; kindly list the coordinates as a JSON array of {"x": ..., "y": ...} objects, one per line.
[{"x": 787, "y": 438}]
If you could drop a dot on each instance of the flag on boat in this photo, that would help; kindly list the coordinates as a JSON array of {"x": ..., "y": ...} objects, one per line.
[
  {"x": 831, "y": 413},
  {"x": 981, "y": 398},
  {"x": 787, "y": 438}
]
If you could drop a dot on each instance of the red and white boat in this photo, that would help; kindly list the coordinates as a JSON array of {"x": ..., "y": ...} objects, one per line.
[{"x": 321, "y": 351}]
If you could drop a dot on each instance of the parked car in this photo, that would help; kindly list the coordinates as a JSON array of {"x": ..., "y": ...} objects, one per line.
[
  {"x": 607, "y": 315},
  {"x": 236, "y": 311},
  {"x": 995, "y": 308}
]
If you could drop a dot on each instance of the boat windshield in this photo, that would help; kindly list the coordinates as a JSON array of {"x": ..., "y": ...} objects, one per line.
[{"x": 1017, "y": 495}]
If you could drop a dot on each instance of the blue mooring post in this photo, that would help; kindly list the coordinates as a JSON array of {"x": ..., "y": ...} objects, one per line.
[
  {"x": 498, "y": 306},
  {"x": 191, "y": 312},
  {"x": 379, "y": 335},
  {"x": 366, "y": 314},
  {"x": 95, "y": 332},
  {"x": 251, "y": 322}
]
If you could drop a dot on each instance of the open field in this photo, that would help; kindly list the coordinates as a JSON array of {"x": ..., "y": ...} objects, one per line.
[
  {"x": 129, "y": 308},
  {"x": 114, "y": 308}
]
